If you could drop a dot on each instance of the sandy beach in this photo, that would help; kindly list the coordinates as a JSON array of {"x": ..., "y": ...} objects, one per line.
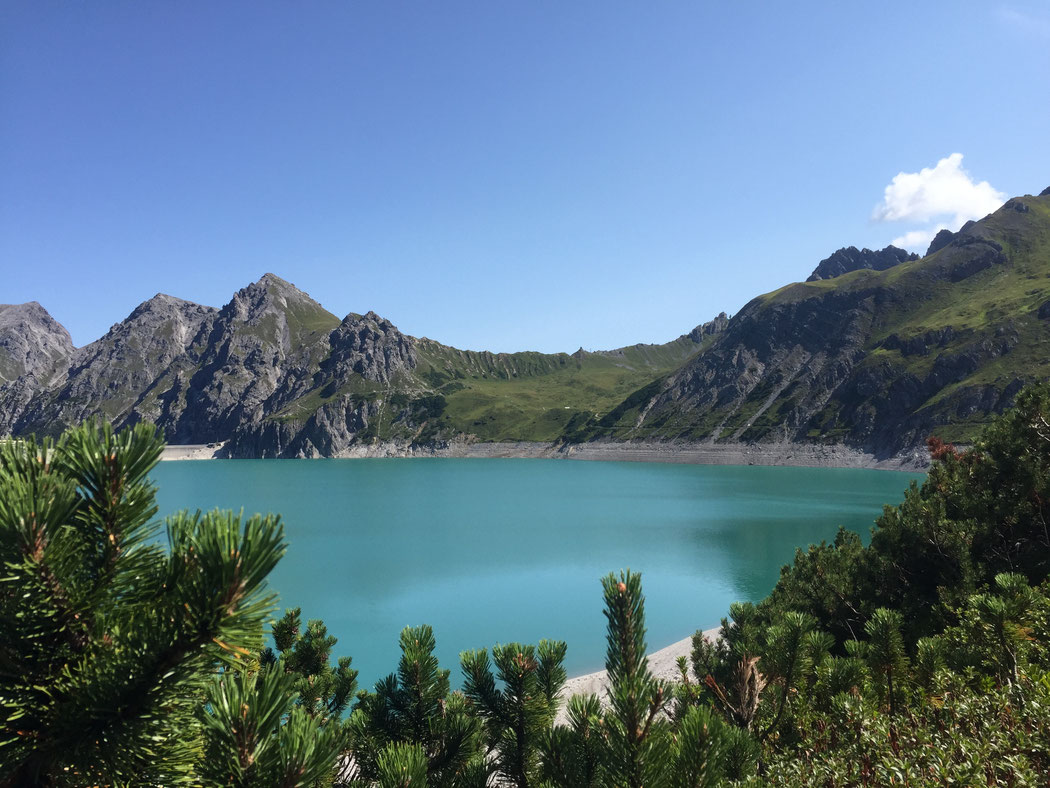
[{"x": 662, "y": 664}]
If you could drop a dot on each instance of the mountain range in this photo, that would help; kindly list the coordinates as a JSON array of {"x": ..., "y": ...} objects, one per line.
[{"x": 876, "y": 351}]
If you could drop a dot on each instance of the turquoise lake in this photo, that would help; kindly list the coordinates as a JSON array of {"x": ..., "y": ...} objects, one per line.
[{"x": 493, "y": 551}]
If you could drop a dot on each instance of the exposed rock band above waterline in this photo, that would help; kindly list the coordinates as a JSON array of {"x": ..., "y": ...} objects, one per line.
[{"x": 789, "y": 454}]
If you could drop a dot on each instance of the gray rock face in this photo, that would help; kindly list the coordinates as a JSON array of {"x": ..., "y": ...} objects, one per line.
[
  {"x": 710, "y": 328},
  {"x": 119, "y": 375},
  {"x": 941, "y": 240},
  {"x": 31, "y": 341},
  {"x": 790, "y": 371},
  {"x": 34, "y": 349},
  {"x": 920, "y": 345},
  {"x": 851, "y": 258},
  {"x": 205, "y": 374},
  {"x": 369, "y": 345},
  {"x": 969, "y": 254},
  {"x": 254, "y": 355},
  {"x": 794, "y": 351},
  {"x": 326, "y": 432}
]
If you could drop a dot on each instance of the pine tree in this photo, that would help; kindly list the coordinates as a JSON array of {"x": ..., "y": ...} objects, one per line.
[
  {"x": 573, "y": 754},
  {"x": 324, "y": 692},
  {"x": 639, "y": 744},
  {"x": 788, "y": 656},
  {"x": 321, "y": 691},
  {"x": 109, "y": 640},
  {"x": 413, "y": 713},
  {"x": 256, "y": 735},
  {"x": 402, "y": 765},
  {"x": 634, "y": 744},
  {"x": 517, "y": 716},
  {"x": 886, "y": 656}
]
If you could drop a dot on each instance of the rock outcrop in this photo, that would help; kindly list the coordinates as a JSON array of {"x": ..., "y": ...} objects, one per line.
[
  {"x": 119, "y": 375},
  {"x": 850, "y": 258},
  {"x": 251, "y": 358},
  {"x": 709, "y": 329},
  {"x": 34, "y": 350},
  {"x": 941, "y": 240},
  {"x": 370, "y": 346}
]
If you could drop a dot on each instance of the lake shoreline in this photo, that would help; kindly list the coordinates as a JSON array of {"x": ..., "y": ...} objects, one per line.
[
  {"x": 663, "y": 664},
  {"x": 775, "y": 454}
]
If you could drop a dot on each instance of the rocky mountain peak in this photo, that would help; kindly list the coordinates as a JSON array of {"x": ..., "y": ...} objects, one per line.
[
  {"x": 710, "y": 328},
  {"x": 163, "y": 307},
  {"x": 370, "y": 346},
  {"x": 941, "y": 240},
  {"x": 277, "y": 287},
  {"x": 274, "y": 307},
  {"x": 134, "y": 354},
  {"x": 850, "y": 258},
  {"x": 31, "y": 341},
  {"x": 10, "y": 313},
  {"x": 161, "y": 327},
  {"x": 34, "y": 352},
  {"x": 366, "y": 324}
]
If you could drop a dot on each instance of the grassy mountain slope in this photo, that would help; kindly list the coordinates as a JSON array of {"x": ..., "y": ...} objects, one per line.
[
  {"x": 873, "y": 358},
  {"x": 532, "y": 396},
  {"x": 441, "y": 392}
]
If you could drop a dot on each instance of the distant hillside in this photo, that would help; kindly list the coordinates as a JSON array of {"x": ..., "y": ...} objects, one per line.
[
  {"x": 873, "y": 359},
  {"x": 875, "y": 352},
  {"x": 276, "y": 375}
]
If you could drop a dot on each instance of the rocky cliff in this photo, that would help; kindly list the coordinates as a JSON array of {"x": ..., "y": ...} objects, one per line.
[
  {"x": 34, "y": 350},
  {"x": 850, "y": 258},
  {"x": 121, "y": 375}
]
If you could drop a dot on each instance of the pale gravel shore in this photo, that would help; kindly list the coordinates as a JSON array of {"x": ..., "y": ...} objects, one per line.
[
  {"x": 196, "y": 451},
  {"x": 662, "y": 664},
  {"x": 705, "y": 453}
]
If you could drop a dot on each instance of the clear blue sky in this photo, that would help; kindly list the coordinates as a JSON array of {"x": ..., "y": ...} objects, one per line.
[{"x": 499, "y": 175}]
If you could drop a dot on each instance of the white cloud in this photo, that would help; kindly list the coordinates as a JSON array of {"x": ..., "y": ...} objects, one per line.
[
  {"x": 944, "y": 196},
  {"x": 1024, "y": 22},
  {"x": 944, "y": 190},
  {"x": 917, "y": 240}
]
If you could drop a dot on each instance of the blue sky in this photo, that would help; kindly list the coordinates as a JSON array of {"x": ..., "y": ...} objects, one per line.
[{"x": 498, "y": 175}]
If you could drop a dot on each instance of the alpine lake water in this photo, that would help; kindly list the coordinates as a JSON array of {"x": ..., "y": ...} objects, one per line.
[{"x": 497, "y": 550}]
